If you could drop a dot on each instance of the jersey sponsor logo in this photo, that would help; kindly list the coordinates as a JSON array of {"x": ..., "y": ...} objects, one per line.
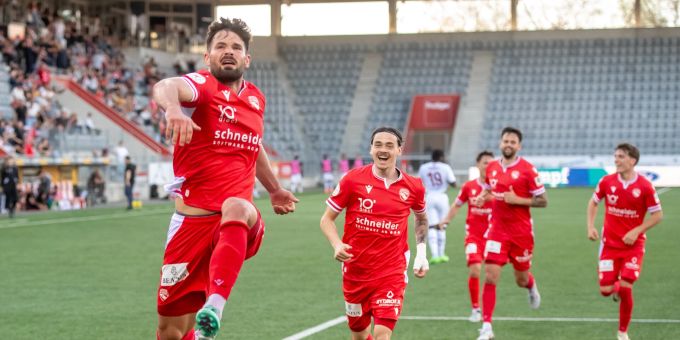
[
  {"x": 254, "y": 102},
  {"x": 227, "y": 114},
  {"x": 493, "y": 247},
  {"x": 173, "y": 273},
  {"x": 404, "y": 193},
  {"x": 471, "y": 248},
  {"x": 384, "y": 227},
  {"x": 199, "y": 79},
  {"x": 163, "y": 294},
  {"x": 366, "y": 204},
  {"x": 636, "y": 192},
  {"x": 238, "y": 140},
  {"x": 612, "y": 199},
  {"x": 606, "y": 266},
  {"x": 515, "y": 174},
  {"x": 480, "y": 211},
  {"x": 336, "y": 192},
  {"x": 369, "y": 188},
  {"x": 353, "y": 309}
]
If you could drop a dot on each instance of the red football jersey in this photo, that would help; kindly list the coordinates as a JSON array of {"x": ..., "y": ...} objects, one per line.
[
  {"x": 477, "y": 218},
  {"x": 626, "y": 205},
  {"x": 376, "y": 221},
  {"x": 220, "y": 160},
  {"x": 506, "y": 218}
]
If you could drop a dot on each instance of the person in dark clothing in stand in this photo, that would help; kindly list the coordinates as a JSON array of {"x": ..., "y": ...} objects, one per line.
[
  {"x": 130, "y": 170},
  {"x": 9, "y": 177}
]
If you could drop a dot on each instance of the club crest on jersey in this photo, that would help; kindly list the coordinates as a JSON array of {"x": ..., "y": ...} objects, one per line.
[
  {"x": 636, "y": 192},
  {"x": 612, "y": 199},
  {"x": 493, "y": 182},
  {"x": 199, "y": 79},
  {"x": 404, "y": 193},
  {"x": 254, "y": 102},
  {"x": 369, "y": 188},
  {"x": 515, "y": 174}
]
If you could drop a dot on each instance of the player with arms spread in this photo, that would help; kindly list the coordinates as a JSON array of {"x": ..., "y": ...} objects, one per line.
[
  {"x": 629, "y": 196},
  {"x": 476, "y": 224},
  {"x": 514, "y": 186},
  {"x": 374, "y": 247},
  {"x": 215, "y": 119},
  {"x": 437, "y": 176}
]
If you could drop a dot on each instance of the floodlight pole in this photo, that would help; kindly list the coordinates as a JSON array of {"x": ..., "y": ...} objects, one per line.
[
  {"x": 392, "y": 8},
  {"x": 513, "y": 14}
]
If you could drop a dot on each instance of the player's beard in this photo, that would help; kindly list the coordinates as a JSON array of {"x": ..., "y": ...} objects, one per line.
[
  {"x": 509, "y": 153},
  {"x": 225, "y": 75}
]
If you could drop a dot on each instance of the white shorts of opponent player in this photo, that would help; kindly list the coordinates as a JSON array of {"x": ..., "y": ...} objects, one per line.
[
  {"x": 437, "y": 206},
  {"x": 296, "y": 183},
  {"x": 328, "y": 181}
]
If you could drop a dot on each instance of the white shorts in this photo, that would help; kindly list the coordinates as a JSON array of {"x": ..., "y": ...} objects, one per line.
[
  {"x": 436, "y": 207},
  {"x": 296, "y": 178},
  {"x": 328, "y": 177}
]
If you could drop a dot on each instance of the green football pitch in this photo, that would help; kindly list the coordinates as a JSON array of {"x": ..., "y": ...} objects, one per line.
[{"x": 93, "y": 275}]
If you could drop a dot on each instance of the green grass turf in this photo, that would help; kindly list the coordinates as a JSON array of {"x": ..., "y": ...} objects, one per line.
[{"x": 93, "y": 274}]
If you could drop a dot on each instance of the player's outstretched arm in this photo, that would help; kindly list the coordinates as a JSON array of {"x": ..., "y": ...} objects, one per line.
[
  {"x": 591, "y": 213},
  {"x": 168, "y": 94},
  {"x": 327, "y": 224},
  {"x": 453, "y": 211},
  {"x": 283, "y": 201},
  {"x": 420, "y": 264},
  {"x": 632, "y": 235}
]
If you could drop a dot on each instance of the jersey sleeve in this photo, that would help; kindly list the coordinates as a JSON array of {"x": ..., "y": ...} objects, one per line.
[
  {"x": 451, "y": 178},
  {"x": 652, "y": 199},
  {"x": 598, "y": 195},
  {"x": 196, "y": 82},
  {"x": 463, "y": 196},
  {"x": 340, "y": 196},
  {"x": 419, "y": 203},
  {"x": 536, "y": 188}
]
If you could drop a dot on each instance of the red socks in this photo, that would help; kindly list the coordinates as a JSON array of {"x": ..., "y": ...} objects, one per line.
[
  {"x": 190, "y": 335},
  {"x": 488, "y": 301},
  {"x": 473, "y": 286},
  {"x": 625, "y": 307},
  {"x": 227, "y": 257},
  {"x": 530, "y": 283},
  {"x": 369, "y": 337}
]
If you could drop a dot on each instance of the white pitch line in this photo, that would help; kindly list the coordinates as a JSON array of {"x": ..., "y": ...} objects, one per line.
[
  {"x": 330, "y": 323},
  {"x": 664, "y": 190},
  {"x": 81, "y": 219},
  {"x": 316, "y": 329}
]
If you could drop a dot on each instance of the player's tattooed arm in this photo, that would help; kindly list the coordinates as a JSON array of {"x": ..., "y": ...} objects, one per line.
[
  {"x": 421, "y": 227},
  {"x": 539, "y": 201}
]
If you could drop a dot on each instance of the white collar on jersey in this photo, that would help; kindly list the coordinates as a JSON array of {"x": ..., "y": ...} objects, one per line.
[
  {"x": 626, "y": 184},
  {"x": 387, "y": 186},
  {"x": 500, "y": 161}
]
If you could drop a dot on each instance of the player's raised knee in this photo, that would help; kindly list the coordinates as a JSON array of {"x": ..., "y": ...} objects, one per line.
[
  {"x": 522, "y": 281},
  {"x": 606, "y": 290},
  {"x": 238, "y": 209},
  {"x": 169, "y": 332}
]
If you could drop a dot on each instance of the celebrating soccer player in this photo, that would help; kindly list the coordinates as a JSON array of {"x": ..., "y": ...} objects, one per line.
[
  {"x": 476, "y": 224},
  {"x": 628, "y": 196},
  {"x": 374, "y": 247},
  {"x": 514, "y": 186},
  {"x": 437, "y": 176},
  {"x": 215, "y": 119}
]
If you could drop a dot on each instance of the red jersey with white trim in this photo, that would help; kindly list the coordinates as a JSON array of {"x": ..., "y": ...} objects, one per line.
[
  {"x": 512, "y": 219},
  {"x": 220, "y": 160},
  {"x": 625, "y": 207},
  {"x": 477, "y": 221},
  {"x": 376, "y": 221}
]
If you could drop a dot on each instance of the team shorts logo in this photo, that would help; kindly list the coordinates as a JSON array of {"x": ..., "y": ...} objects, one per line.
[
  {"x": 636, "y": 192},
  {"x": 353, "y": 309},
  {"x": 515, "y": 174},
  {"x": 366, "y": 204},
  {"x": 404, "y": 193},
  {"x": 254, "y": 102},
  {"x": 606, "y": 266},
  {"x": 633, "y": 265},
  {"x": 199, "y": 79},
  {"x": 173, "y": 273},
  {"x": 163, "y": 294},
  {"x": 390, "y": 294},
  {"x": 524, "y": 258},
  {"x": 612, "y": 199}
]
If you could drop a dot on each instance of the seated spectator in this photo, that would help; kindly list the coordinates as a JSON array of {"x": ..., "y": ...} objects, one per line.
[{"x": 44, "y": 148}]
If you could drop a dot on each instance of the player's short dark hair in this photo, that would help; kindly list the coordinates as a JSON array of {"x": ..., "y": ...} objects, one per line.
[
  {"x": 437, "y": 155},
  {"x": 484, "y": 153},
  {"x": 631, "y": 150},
  {"x": 388, "y": 129},
  {"x": 238, "y": 26},
  {"x": 510, "y": 129}
]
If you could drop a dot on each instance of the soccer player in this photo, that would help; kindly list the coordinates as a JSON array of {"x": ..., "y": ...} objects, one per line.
[
  {"x": 514, "y": 186},
  {"x": 374, "y": 247},
  {"x": 437, "y": 176},
  {"x": 296, "y": 175},
  {"x": 215, "y": 118},
  {"x": 343, "y": 165},
  {"x": 476, "y": 224},
  {"x": 327, "y": 174},
  {"x": 627, "y": 196}
]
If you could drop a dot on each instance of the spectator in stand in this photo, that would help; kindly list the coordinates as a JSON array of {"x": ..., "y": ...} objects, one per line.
[
  {"x": 89, "y": 124},
  {"x": 9, "y": 180},
  {"x": 95, "y": 188},
  {"x": 44, "y": 148}
]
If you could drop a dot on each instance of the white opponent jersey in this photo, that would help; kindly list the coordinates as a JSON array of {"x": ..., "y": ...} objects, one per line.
[{"x": 436, "y": 177}]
